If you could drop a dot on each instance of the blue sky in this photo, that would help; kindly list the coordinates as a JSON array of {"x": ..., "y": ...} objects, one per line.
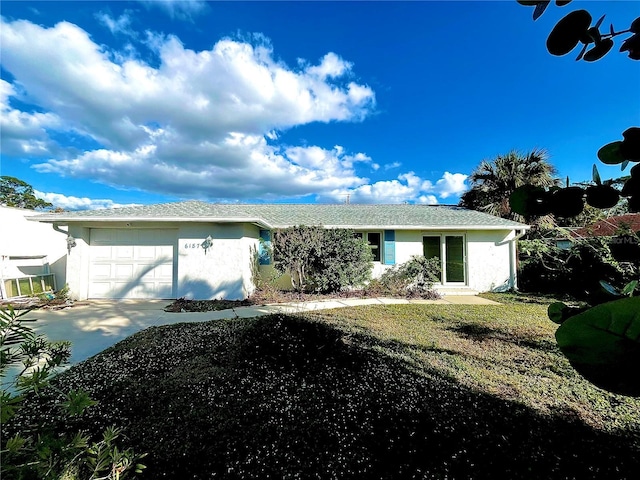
[{"x": 116, "y": 103}]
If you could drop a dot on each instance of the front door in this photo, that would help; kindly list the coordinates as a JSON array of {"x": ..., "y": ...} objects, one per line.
[
  {"x": 454, "y": 259},
  {"x": 451, "y": 250}
]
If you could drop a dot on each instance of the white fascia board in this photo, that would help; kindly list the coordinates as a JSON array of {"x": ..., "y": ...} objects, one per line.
[
  {"x": 68, "y": 220},
  {"x": 423, "y": 227}
]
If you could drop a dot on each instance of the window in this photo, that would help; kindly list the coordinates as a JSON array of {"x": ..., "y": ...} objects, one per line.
[
  {"x": 374, "y": 241},
  {"x": 32, "y": 285},
  {"x": 264, "y": 248},
  {"x": 373, "y": 238},
  {"x": 431, "y": 247}
]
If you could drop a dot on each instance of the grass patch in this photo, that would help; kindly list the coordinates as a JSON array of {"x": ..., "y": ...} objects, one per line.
[{"x": 379, "y": 392}]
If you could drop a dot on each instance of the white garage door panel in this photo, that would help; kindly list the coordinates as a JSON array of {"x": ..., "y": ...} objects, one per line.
[{"x": 132, "y": 263}]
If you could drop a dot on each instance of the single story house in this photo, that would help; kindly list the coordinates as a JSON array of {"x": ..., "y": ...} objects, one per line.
[
  {"x": 32, "y": 255},
  {"x": 203, "y": 251}
]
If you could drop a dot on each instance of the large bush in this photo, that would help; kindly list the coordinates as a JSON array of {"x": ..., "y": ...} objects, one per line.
[
  {"x": 321, "y": 260},
  {"x": 576, "y": 271},
  {"x": 414, "y": 277}
]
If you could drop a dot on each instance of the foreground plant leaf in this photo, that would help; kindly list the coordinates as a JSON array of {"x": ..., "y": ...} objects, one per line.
[
  {"x": 602, "y": 196},
  {"x": 600, "y": 50},
  {"x": 610, "y": 153},
  {"x": 567, "y": 202},
  {"x": 630, "y": 287},
  {"x": 630, "y": 147},
  {"x": 529, "y": 200},
  {"x": 603, "y": 345},
  {"x": 632, "y": 45},
  {"x": 559, "y": 312},
  {"x": 568, "y": 31},
  {"x": 539, "y": 10}
]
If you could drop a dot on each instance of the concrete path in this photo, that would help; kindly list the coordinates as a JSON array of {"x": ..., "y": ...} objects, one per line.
[{"x": 95, "y": 325}]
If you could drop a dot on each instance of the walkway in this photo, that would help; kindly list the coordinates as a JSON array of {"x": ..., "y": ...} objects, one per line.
[{"x": 95, "y": 325}]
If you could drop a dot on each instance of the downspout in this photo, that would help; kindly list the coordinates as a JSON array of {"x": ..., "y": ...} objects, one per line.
[
  {"x": 58, "y": 229},
  {"x": 513, "y": 259}
]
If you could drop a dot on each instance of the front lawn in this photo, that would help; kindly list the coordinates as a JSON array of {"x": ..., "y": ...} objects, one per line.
[{"x": 400, "y": 391}]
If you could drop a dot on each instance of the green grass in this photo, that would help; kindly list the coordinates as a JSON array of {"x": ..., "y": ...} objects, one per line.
[
  {"x": 508, "y": 351},
  {"x": 401, "y": 391}
]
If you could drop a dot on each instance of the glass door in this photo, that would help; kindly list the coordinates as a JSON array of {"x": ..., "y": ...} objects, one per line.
[{"x": 454, "y": 259}]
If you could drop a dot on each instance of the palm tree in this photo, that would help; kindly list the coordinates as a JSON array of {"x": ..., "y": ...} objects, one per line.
[{"x": 493, "y": 181}]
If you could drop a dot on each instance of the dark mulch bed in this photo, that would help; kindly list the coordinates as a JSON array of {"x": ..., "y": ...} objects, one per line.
[{"x": 184, "y": 305}]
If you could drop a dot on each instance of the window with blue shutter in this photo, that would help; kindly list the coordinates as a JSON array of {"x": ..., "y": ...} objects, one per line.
[
  {"x": 264, "y": 248},
  {"x": 389, "y": 247}
]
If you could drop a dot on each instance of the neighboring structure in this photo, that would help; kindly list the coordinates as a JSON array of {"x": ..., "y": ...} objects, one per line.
[
  {"x": 203, "y": 251},
  {"x": 32, "y": 255},
  {"x": 609, "y": 227}
]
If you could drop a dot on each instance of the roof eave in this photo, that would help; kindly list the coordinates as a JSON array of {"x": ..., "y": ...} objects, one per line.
[
  {"x": 68, "y": 220},
  {"x": 62, "y": 220},
  {"x": 423, "y": 227}
]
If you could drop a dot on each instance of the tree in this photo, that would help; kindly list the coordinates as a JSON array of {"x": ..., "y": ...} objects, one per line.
[
  {"x": 18, "y": 193},
  {"x": 493, "y": 182}
]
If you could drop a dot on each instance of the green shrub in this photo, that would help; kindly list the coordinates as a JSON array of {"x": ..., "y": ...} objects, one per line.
[
  {"x": 344, "y": 261},
  {"x": 576, "y": 271},
  {"x": 414, "y": 277},
  {"x": 321, "y": 260},
  {"x": 36, "y": 450}
]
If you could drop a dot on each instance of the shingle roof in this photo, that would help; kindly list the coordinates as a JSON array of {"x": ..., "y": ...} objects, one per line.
[{"x": 284, "y": 215}]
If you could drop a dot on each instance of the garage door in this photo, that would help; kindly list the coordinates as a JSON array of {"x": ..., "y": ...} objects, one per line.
[{"x": 132, "y": 263}]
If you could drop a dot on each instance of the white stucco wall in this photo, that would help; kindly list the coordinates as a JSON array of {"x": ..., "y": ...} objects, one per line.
[
  {"x": 20, "y": 237},
  {"x": 487, "y": 255},
  {"x": 78, "y": 263},
  {"x": 224, "y": 271},
  {"x": 488, "y": 260}
]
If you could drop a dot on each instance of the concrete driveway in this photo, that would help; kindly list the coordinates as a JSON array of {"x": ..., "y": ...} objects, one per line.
[{"x": 94, "y": 325}]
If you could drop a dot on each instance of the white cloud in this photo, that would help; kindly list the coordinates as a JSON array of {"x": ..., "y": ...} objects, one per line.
[
  {"x": 24, "y": 133},
  {"x": 393, "y": 165},
  {"x": 246, "y": 168},
  {"x": 197, "y": 124},
  {"x": 428, "y": 199},
  {"x": 120, "y": 25},
  {"x": 181, "y": 9},
  {"x": 331, "y": 66},
  {"x": 406, "y": 188},
  {"x": 451, "y": 184},
  {"x": 78, "y": 203},
  {"x": 190, "y": 124}
]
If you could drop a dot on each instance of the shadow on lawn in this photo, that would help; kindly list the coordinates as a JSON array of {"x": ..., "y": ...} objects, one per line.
[
  {"x": 482, "y": 333},
  {"x": 283, "y": 397}
]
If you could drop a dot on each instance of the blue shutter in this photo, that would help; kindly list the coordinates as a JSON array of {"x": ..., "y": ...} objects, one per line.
[
  {"x": 264, "y": 247},
  {"x": 389, "y": 247}
]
